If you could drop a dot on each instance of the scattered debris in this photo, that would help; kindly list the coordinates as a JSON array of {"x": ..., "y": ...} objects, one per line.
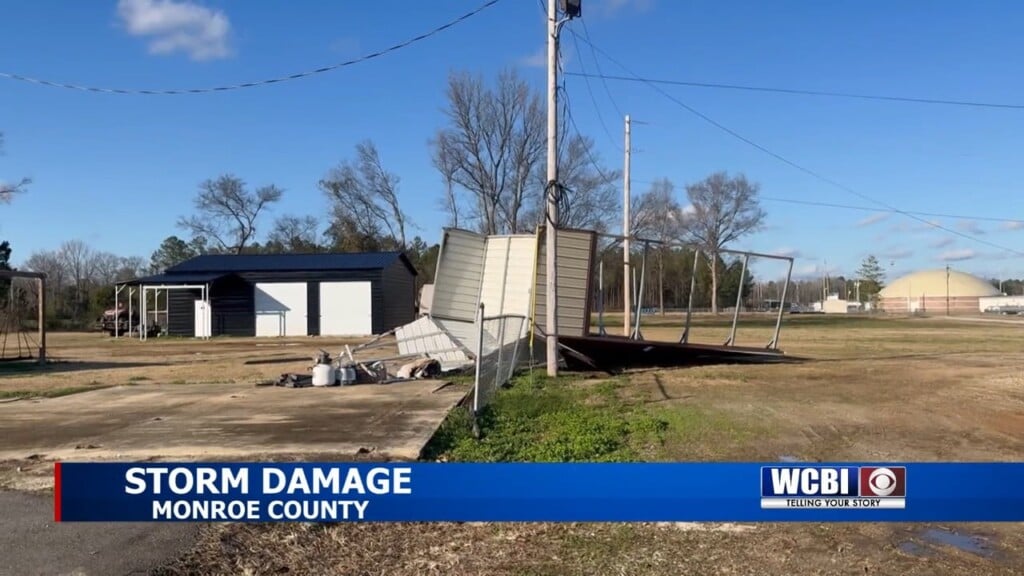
[
  {"x": 295, "y": 380},
  {"x": 788, "y": 458},
  {"x": 420, "y": 368},
  {"x": 86, "y": 447},
  {"x": 365, "y": 450}
]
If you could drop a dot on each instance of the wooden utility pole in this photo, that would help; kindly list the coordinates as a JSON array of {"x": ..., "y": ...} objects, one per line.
[
  {"x": 626, "y": 229},
  {"x": 550, "y": 228}
]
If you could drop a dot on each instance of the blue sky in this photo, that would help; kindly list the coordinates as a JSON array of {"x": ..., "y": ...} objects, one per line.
[{"x": 117, "y": 170}]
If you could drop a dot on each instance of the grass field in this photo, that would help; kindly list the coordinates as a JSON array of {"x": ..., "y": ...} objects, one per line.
[{"x": 872, "y": 389}]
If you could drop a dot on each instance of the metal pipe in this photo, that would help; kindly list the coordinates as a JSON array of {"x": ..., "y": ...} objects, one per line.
[
  {"x": 600, "y": 298},
  {"x": 774, "y": 344},
  {"x": 689, "y": 305},
  {"x": 479, "y": 354},
  {"x": 692, "y": 246},
  {"x": 739, "y": 302},
  {"x": 640, "y": 294}
]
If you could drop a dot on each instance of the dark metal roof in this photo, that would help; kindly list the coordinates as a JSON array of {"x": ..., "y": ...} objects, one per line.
[
  {"x": 184, "y": 278},
  {"x": 228, "y": 263}
]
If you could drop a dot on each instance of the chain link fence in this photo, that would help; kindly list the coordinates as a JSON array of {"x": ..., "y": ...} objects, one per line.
[{"x": 501, "y": 343}]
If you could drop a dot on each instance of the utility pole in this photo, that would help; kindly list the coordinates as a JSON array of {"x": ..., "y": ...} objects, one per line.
[
  {"x": 626, "y": 230},
  {"x": 947, "y": 289},
  {"x": 550, "y": 227},
  {"x": 572, "y": 9}
]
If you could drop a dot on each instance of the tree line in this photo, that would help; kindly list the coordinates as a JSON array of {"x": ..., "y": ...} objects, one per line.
[{"x": 490, "y": 157}]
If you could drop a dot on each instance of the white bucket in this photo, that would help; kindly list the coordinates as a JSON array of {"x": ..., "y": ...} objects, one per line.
[
  {"x": 323, "y": 375},
  {"x": 347, "y": 375}
]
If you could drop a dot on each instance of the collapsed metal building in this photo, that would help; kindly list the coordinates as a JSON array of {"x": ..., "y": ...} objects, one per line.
[{"x": 488, "y": 303}]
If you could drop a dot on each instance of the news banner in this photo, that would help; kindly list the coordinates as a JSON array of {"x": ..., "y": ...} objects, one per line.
[{"x": 690, "y": 492}]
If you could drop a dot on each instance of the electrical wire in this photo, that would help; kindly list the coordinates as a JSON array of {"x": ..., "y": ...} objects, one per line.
[
  {"x": 597, "y": 107},
  {"x": 597, "y": 64},
  {"x": 801, "y": 92},
  {"x": 290, "y": 77},
  {"x": 796, "y": 165},
  {"x": 878, "y": 210}
]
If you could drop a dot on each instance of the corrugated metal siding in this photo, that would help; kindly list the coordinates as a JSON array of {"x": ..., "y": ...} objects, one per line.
[
  {"x": 508, "y": 274},
  {"x": 181, "y": 312},
  {"x": 459, "y": 273},
  {"x": 575, "y": 253},
  {"x": 399, "y": 291},
  {"x": 232, "y": 306}
]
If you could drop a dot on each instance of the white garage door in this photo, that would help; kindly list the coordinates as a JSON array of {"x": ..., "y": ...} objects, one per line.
[
  {"x": 280, "y": 309},
  {"x": 346, "y": 309}
]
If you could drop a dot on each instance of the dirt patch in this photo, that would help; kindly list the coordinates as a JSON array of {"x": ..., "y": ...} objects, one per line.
[{"x": 80, "y": 361}]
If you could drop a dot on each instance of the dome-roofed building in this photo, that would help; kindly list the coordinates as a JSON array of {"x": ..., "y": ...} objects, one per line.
[{"x": 929, "y": 291}]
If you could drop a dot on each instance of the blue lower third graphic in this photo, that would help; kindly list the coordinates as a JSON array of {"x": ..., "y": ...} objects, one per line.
[{"x": 346, "y": 492}]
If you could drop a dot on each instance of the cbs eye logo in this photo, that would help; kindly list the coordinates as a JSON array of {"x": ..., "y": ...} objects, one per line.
[{"x": 877, "y": 482}]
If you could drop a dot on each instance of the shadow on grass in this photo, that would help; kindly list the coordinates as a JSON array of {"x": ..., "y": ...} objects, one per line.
[{"x": 30, "y": 367}]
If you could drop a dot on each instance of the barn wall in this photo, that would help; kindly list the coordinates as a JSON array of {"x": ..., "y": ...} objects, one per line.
[
  {"x": 575, "y": 253},
  {"x": 231, "y": 301},
  {"x": 181, "y": 312},
  {"x": 459, "y": 274},
  {"x": 398, "y": 291}
]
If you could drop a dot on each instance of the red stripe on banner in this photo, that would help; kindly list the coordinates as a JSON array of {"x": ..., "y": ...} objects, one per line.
[{"x": 56, "y": 491}]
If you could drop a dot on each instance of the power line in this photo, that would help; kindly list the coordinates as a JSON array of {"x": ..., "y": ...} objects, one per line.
[
  {"x": 597, "y": 64},
  {"x": 877, "y": 210},
  {"x": 801, "y": 92},
  {"x": 597, "y": 107},
  {"x": 796, "y": 165},
  {"x": 296, "y": 76},
  {"x": 882, "y": 210}
]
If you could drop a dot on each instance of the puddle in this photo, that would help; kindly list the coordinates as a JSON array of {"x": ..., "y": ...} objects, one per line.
[
  {"x": 966, "y": 542},
  {"x": 788, "y": 458},
  {"x": 915, "y": 549}
]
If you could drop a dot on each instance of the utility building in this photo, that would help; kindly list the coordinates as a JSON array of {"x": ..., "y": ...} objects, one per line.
[{"x": 347, "y": 294}]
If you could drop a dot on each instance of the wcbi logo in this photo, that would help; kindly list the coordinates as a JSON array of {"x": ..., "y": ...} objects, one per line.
[{"x": 833, "y": 487}]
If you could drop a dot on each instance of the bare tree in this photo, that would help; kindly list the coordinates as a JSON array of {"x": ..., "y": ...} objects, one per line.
[
  {"x": 226, "y": 212},
  {"x": 494, "y": 141},
  {"x": 9, "y": 189},
  {"x": 366, "y": 195},
  {"x": 79, "y": 263},
  {"x": 724, "y": 209},
  {"x": 294, "y": 234},
  {"x": 443, "y": 159},
  {"x": 590, "y": 192},
  {"x": 658, "y": 216}
]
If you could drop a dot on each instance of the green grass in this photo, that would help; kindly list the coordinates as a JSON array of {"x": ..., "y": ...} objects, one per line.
[
  {"x": 539, "y": 419},
  {"x": 52, "y": 393}
]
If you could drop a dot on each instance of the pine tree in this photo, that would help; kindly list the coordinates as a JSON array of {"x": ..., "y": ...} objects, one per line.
[{"x": 871, "y": 276}]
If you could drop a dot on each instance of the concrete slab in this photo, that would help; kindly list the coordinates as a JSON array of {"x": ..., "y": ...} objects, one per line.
[{"x": 227, "y": 420}]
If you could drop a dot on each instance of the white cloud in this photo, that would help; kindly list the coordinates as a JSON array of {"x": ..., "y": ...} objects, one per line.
[
  {"x": 957, "y": 255},
  {"x": 172, "y": 26},
  {"x": 873, "y": 219},
  {"x": 941, "y": 242},
  {"x": 970, "y": 227},
  {"x": 1015, "y": 225}
]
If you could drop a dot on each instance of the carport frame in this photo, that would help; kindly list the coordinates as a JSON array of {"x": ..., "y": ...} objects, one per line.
[{"x": 204, "y": 295}]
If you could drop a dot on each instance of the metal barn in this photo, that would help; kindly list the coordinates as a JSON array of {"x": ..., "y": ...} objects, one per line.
[{"x": 354, "y": 294}]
